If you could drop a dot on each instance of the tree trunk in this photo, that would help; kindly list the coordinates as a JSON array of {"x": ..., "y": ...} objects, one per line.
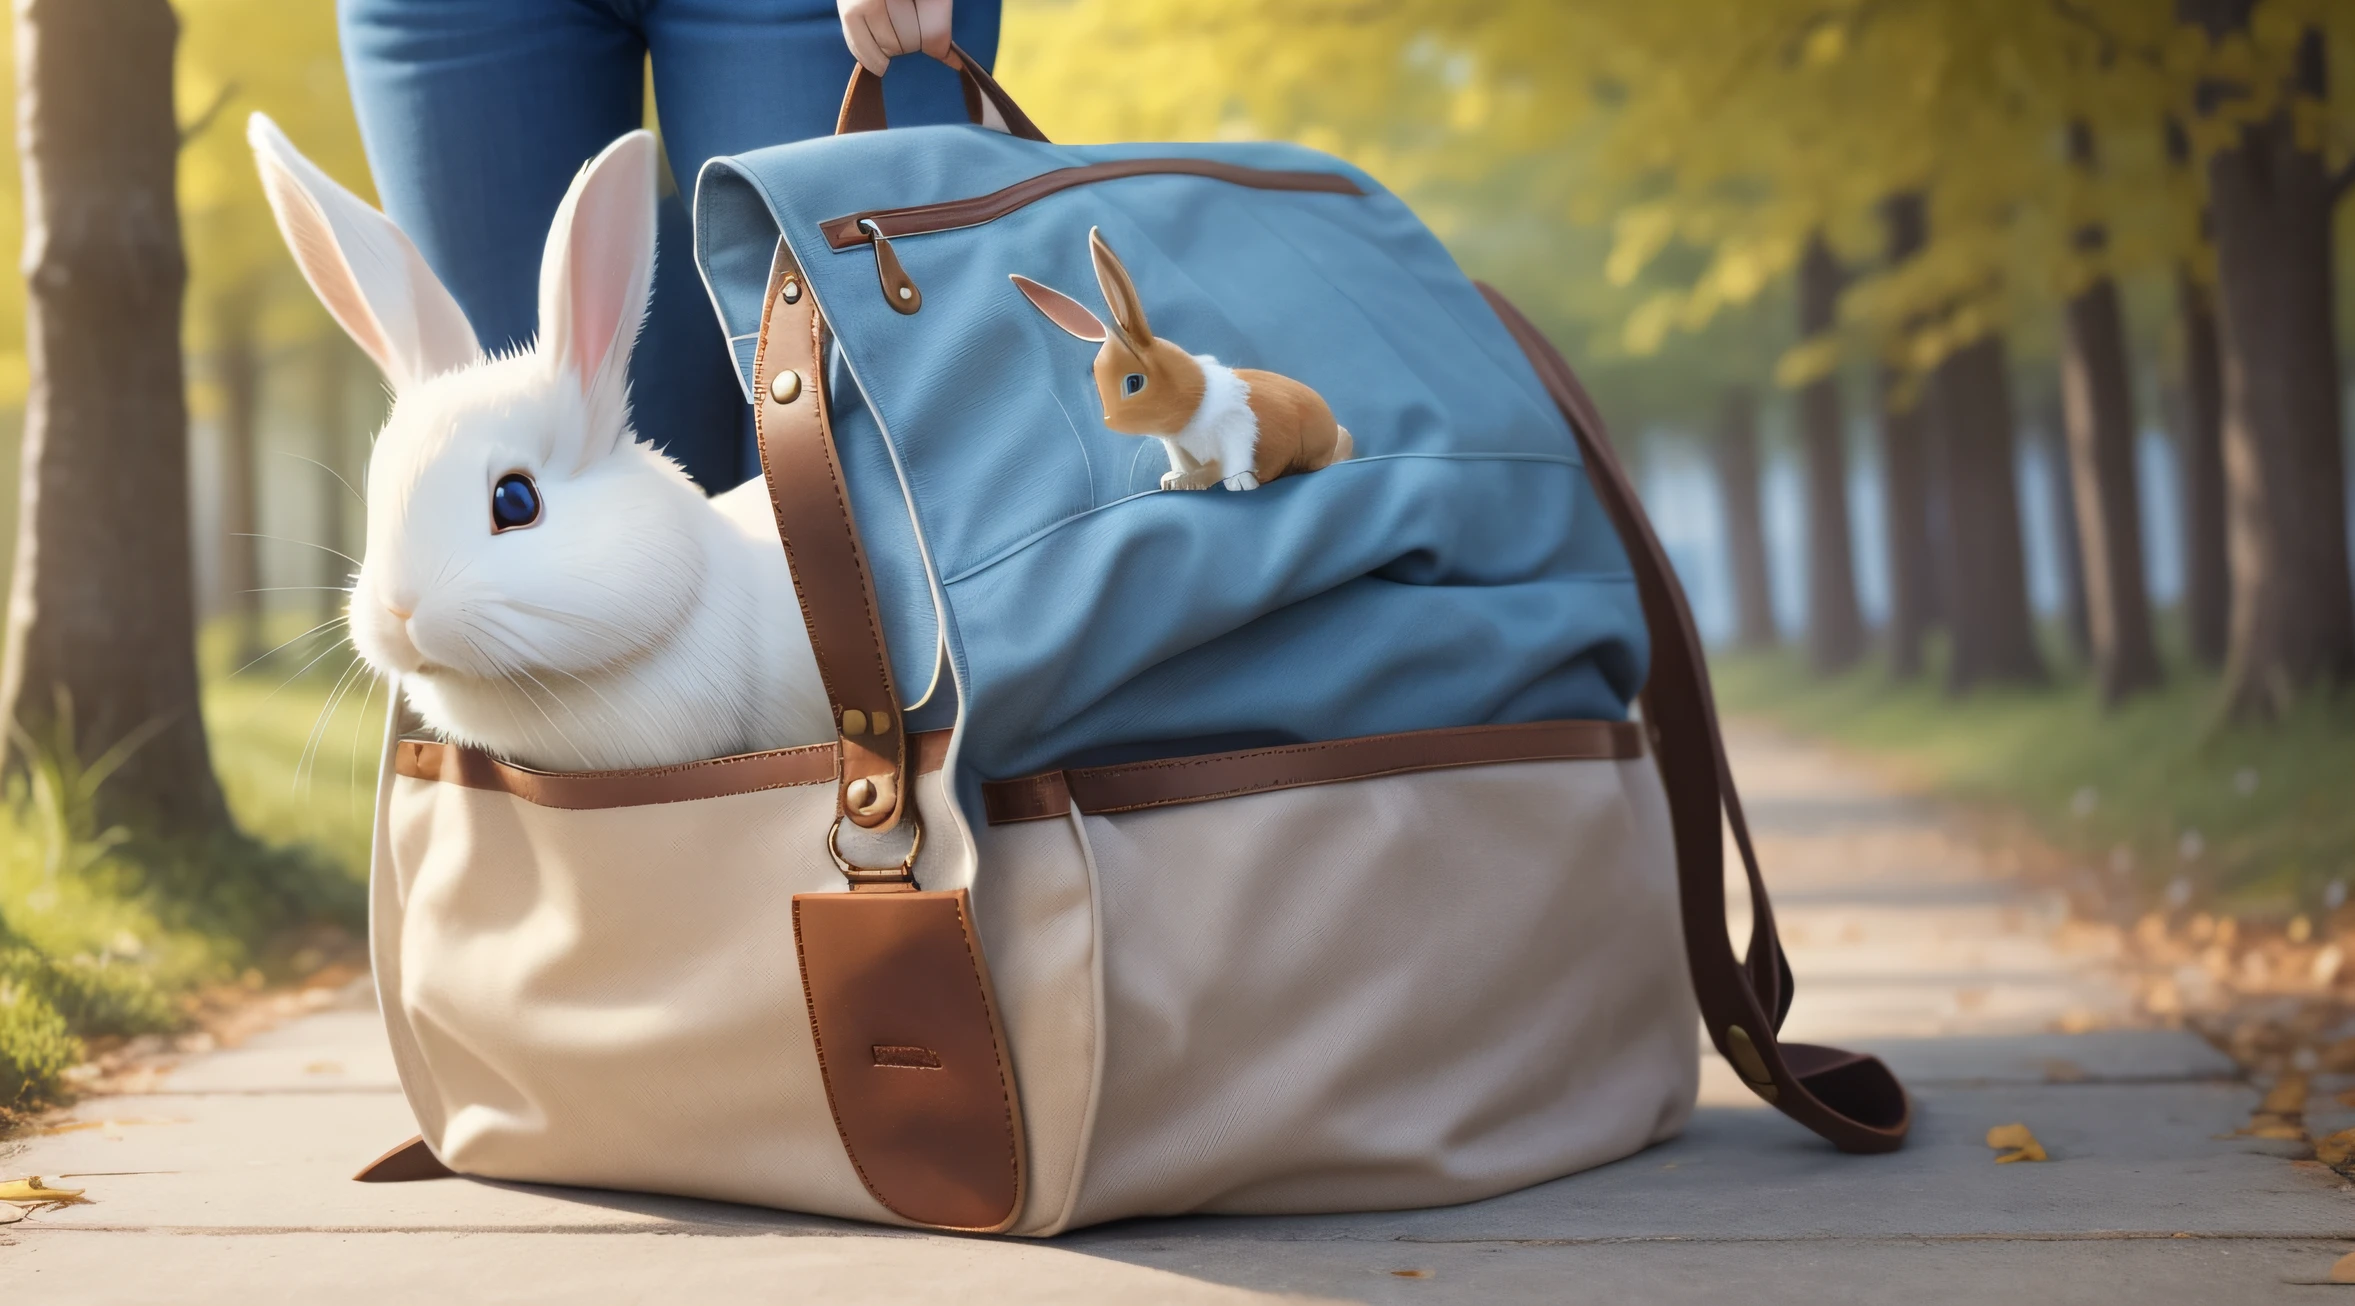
[
  {"x": 1745, "y": 524},
  {"x": 2293, "y": 615},
  {"x": 1835, "y": 629},
  {"x": 237, "y": 366},
  {"x": 101, "y": 607},
  {"x": 2207, "y": 582},
  {"x": 2070, "y": 555},
  {"x": 2099, "y": 398},
  {"x": 332, "y": 441},
  {"x": 1905, "y": 474},
  {"x": 1987, "y": 585}
]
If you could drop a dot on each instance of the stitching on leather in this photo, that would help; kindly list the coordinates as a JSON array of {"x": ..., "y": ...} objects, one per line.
[
  {"x": 1005, "y": 1101},
  {"x": 997, "y": 1045},
  {"x": 901, "y": 1056},
  {"x": 1018, "y": 799},
  {"x": 1288, "y": 750},
  {"x": 446, "y": 773},
  {"x": 858, "y": 561},
  {"x": 1311, "y": 782},
  {"x": 809, "y": 999},
  {"x": 760, "y": 435}
]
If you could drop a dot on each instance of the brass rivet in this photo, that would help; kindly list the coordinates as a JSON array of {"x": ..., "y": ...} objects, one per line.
[
  {"x": 862, "y": 794},
  {"x": 785, "y": 386},
  {"x": 907, "y": 292},
  {"x": 880, "y": 723},
  {"x": 792, "y": 293},
  {"x": 854, "y": 722}
]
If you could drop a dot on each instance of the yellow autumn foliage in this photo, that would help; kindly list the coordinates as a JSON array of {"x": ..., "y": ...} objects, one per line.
[{"x": 1712, "y": 137}]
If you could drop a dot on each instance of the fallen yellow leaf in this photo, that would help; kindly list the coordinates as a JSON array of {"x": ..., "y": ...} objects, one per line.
[
  {"x": 2288, "y": 1096},
  {"x": 33, "y": 1190},
  {"x": 2344, "y": 1271},
  {"x": 2016, "y": 1144},
  {"x": 2336, "y": 1149}
]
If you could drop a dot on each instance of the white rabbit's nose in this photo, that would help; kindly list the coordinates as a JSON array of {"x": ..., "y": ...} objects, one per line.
[{"x": 399, "y": 614}]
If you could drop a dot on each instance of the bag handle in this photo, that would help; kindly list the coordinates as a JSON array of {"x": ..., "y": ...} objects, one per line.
[
  {"x": 1850, "y": 1099},
  {"x": 862, "y": 102}
]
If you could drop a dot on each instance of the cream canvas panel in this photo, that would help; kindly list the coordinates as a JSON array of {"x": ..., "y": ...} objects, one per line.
[
  {"x": 1408, "y": 991},
  {"x": 612, "y": 998},
  {"x": 1397, "y": 992}
]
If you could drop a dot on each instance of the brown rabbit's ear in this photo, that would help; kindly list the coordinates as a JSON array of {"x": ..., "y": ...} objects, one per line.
[
  {"x": 1128, "y": 311},
  {"x": 1061, "y": 309}
]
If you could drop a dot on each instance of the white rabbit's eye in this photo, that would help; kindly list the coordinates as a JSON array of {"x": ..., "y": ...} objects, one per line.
[
  {"x": 1132, "y": 383},
  {"x": 515, "y": 503}
]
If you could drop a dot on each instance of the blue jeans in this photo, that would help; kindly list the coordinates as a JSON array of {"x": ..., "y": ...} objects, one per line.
[{"x": 477, "y": 113}]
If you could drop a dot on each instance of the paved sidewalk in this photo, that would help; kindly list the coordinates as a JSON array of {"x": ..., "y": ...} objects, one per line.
[{"x": 1905, "y": 941}]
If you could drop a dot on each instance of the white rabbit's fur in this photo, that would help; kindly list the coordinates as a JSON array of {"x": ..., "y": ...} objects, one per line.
[{"x": 636, "y": 622}]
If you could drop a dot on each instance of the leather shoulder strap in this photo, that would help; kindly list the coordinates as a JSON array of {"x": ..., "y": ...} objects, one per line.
[
  {"x": 1850, "y": 1099},
  {"x": 830, "y": 575}
]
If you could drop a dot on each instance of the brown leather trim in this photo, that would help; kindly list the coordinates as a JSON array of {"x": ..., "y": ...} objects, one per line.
[
  {"x": 862, "y": 100},
  {"x": 913, "y": 1055},
  {"x": 424, "y": 759},
  {"x": 821, "y": 537},
  {"x": 949, "y": 215},
  {"x": 407, "y": 1163},
  {"x": 1852, "y": 1100},
  {"x": 1139, "y": 785}
]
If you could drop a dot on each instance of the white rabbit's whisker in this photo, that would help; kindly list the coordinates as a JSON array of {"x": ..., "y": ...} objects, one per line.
[
  {"x": 306, "y": 761},
  {"x": 289, "y": 453},
  {"x": 288, "y": 539},
  {"x": 260, "y": 658},
  {"x": 298, "y": 673}
]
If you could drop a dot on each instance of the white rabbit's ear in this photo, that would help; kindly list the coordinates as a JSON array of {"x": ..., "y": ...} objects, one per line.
[
  {"x": 595, "y": 277},
  {"x": 1128, "y": 311},
  {"x": 372, "y": 280},
  {"x": 1061, "y": 309}
]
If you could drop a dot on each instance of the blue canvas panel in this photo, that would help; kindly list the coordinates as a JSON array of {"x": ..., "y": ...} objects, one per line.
[{"x": 1457, "y": 571}]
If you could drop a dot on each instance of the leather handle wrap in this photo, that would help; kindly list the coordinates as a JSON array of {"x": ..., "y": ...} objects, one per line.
[
  {"x": 1850, "y": 1099},
  {"x": 830, "y": 575},
  {"x": 862, "y": 101}
]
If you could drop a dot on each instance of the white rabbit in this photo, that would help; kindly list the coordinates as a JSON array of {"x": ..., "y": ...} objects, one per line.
[{"x": 544, "y": 586}]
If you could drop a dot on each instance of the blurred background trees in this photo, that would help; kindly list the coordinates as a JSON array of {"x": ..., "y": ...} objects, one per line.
[
  {"x": 126, "y": 113},
  {"x": 2108, "y": 210}
]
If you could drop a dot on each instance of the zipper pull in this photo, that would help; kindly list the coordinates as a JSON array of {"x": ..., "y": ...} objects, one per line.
[{"x": 899, "y": 290}]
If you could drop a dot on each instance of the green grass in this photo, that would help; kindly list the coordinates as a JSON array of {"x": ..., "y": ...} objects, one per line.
[
  {"x": 2254, "y": 820},
  {"x": 109, "y": 934}
]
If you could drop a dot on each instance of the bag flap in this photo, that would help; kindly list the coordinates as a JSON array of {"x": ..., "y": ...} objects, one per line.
[{"x": 1456, "y": 571}]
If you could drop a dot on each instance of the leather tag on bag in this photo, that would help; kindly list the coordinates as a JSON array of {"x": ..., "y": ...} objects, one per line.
[{"x": 912, "y": 1053}]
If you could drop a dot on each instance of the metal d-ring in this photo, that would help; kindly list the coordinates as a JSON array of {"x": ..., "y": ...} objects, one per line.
[{"x": 904, "y": 873}]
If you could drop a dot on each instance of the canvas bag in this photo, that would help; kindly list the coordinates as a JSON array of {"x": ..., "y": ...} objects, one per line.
[{"x": 1282, "y": 850}]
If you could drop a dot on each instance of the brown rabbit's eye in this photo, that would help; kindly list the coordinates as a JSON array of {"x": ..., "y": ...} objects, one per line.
[
  {"x": 515, "y": 503},
  {"x": 1132, "y": 383}
]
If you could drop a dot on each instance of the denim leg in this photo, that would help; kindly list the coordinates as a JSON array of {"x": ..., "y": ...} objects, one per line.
[
  {"x": 737, "y": 75},
  {"x": 476, "y": 115}
]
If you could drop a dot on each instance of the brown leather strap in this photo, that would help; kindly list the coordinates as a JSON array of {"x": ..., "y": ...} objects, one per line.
[
  {"x": 862, "y": 101},
  {"x": 830, "y": 575},
  {"x": 1139, "y": 785},
  {"x": 781, "y": 768},
  {"x": 913, "y": 1055},
  {"x": 1849, "y": 1099},
  {"x": 408, "y": 1163}
]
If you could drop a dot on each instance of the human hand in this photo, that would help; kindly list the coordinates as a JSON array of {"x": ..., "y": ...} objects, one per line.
[{"x": 877, "y": 30}]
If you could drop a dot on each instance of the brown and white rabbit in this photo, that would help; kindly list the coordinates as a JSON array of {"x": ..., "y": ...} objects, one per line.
[
  {"x": 543, "y": 585},
  {"x": 1222, "y": 425}
]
